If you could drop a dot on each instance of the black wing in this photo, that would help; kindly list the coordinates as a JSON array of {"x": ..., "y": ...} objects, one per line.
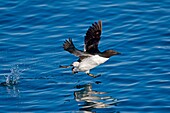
[
  {"x": 92, "y": 38},
  {"x": 69, "y": 46}
]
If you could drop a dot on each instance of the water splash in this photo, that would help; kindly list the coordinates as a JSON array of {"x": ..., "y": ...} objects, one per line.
[{"x": 13, "y": 77}]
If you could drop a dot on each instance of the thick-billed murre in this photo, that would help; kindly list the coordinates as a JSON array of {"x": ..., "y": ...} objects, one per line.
[{"x": 91, "y": 56}]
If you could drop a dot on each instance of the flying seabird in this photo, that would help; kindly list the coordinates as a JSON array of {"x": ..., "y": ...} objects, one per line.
[{"x": 91, "y": 56}]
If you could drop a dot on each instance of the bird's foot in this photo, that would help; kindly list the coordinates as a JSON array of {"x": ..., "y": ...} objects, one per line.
[
  {"x": 97, "y": 75},
  {"x": 74, "y": 72},
  {"x": 60, "y": 66},
  {"x": 93, "y": 75}
]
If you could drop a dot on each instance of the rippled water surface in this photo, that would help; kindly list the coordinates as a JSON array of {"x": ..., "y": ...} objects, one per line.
[{"x": 31, "y": 37}]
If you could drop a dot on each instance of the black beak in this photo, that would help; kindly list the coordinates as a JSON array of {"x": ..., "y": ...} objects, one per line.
[{"x": 118, "y": 53}]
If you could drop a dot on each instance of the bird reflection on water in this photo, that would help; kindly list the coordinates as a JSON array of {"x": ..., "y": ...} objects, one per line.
[{"x": 89, "y": 99}]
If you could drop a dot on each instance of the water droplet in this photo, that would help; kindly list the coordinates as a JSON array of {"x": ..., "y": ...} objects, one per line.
[{"x": 13, "y": 77}]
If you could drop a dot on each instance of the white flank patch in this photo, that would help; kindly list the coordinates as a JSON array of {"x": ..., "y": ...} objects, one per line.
[
  {"x": 75, "y": 64},
  {"x": 91, "y": 62}
]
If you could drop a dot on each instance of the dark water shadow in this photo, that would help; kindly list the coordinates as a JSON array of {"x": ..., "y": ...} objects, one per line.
[{"x": 91, "y": 100}]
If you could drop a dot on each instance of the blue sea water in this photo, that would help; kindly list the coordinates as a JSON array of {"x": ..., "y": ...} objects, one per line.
[{"x": 31, "y": 37}]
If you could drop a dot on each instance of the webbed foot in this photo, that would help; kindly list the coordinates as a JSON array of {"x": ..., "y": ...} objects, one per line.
[
  {"x": 93, "y": 75},
  {"x": 60, "y": 66}
]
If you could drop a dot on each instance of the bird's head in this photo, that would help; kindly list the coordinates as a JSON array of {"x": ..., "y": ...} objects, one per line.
[{"x": 109, "y": 53}]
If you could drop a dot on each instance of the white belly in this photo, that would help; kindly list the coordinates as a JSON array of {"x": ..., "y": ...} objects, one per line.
[{"x": 91, "y": 62}]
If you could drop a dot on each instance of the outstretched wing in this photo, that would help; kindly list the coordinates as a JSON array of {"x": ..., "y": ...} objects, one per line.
[
  {"x": 69, "y": 46},
  {"x": 92, "y": 38}
]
